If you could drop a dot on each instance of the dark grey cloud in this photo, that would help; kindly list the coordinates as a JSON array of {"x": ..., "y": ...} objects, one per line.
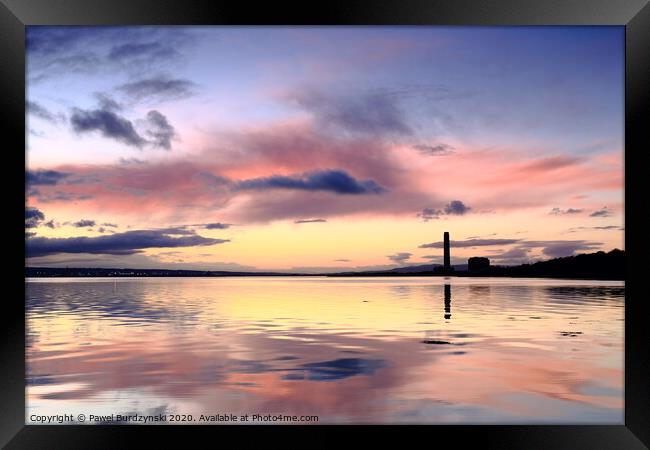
[
  {"x": 158, "y": 88},
  {"x": 604, "y": 212},
  {"x": 310, "y": 221},
  {"x": 370, "y": 112},
  {"x": 127, "y": 243},
  {"x": 84, "y": 223},
  {"x": 33, "y": 217},
  {"x": 472, "y": 243},
  {"x": 41, "y": 112},
  {"x": 51, "y": 224},
  {"x": 44, "y": 177},
  {"x": 430, "y": 213},
  {"x": 160, "y": 131},
  {"x": 456, "y": 207},
  {"x": 216, "y": 226},
  {"x": 558, "y": 211},
  {"x": 336, "y": 181},
  {"x": 434, "y": 150},
  {"x": 108, "y": 224},
  {"x": 399, "y": 258},
  {"x": 108, "y": 123}
]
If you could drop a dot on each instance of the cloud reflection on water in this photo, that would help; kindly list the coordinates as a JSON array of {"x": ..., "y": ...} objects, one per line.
[{"x": 207, "y": 344}]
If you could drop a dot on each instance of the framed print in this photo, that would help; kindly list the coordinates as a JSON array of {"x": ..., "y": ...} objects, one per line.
[{"x": 416, "y": 215}]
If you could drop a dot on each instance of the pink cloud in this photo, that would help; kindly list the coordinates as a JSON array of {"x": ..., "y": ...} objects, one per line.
[{"x": 192, "y": 186}]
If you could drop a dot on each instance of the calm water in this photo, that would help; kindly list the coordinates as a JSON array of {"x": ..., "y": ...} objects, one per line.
[{"x": 414, "y": 350}]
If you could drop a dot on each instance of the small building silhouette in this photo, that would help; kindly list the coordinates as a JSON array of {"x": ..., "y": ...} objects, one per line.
[{"x": 478, "y": 264}]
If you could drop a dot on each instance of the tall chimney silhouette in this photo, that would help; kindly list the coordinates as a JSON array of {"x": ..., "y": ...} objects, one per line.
[{"x": 447, "y": 257}]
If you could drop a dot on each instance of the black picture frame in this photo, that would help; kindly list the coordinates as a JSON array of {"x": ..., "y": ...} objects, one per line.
[{"x": 634, "y": 15}]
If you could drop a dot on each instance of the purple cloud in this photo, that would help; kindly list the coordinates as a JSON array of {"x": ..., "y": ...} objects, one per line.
[
  {"x": 44, "y": 177},
  {"x": 216, "y": 226},
  {"x": 336, "y": 181},
  {"x": 456, "y": 207},
  {"x": 430, "y": 213},
  {"x": 160, "y": 131},
  {"x": 604, "y": 212},
  {"x": 33, "y": 217},
  {"x": 108, "y": 123},
  {"x": 126, "y": 243},
  {"x": 158, "y": 88},
  {"x": 558, "y": 211},
  {"x": 559, "y": 249},
  {"x": 399, "y": 258},
  {"x": 84, "y": 223}
]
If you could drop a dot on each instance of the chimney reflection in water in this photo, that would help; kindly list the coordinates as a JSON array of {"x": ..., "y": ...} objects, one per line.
[{"x": 447, "y": 301}]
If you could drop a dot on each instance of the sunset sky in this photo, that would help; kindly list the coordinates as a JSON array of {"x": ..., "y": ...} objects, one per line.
[{"x": 319, "y": 148}]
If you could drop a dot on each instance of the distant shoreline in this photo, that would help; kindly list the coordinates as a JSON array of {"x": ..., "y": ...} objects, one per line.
[
  {"x": 324, "y": 275},
  {"x": 590, "y": 266},
  {"x": 327, "y": 276}
]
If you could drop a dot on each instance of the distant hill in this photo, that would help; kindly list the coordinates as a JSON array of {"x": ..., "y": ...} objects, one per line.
[
  {"x": 423, "y": 269},
  {"x": 600, "y": 265}
]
